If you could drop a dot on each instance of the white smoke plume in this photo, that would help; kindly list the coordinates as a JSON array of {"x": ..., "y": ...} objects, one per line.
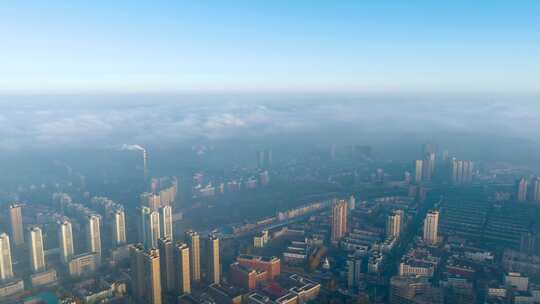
[{"x": 132, "y": 148}]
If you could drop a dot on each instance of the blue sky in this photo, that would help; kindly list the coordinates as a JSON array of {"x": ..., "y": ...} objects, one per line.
[{"x": 170, "y": 46}]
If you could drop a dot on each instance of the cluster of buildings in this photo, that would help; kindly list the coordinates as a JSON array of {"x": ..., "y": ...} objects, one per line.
[
  {"x": 204, "y": 187},
  {"x": 528, "y": 190},
  {"x": 433, "y": 165},
  {"x": 40, "y": 273}
]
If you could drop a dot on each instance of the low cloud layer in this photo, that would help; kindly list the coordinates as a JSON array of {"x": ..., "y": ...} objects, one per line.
[{"x": 38, "y": 122}]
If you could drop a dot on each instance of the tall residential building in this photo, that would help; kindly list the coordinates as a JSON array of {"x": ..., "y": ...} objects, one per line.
[
  {"x": 150, "y": 200},
  {"x": 145, "y": 267},
  {"x": 168, "y": 190},
  {"x": 37, "y": 256},
  {"x": 213, "y": 274},
  {"x": 418, "y": 164},
  {"x": 339, "y": 220},
  {"x": 65, "y": 238},
  {"x": 468, "y": 167},
  {"x": 182, "y": 268},
  {"x": 264, "y": 158},
  {"x": 354, "y": 271},
  {"x": 522, "y": 190},
  {"x": 119, "y": 227},
  {"x": 17, "y": 229},
  {"x": 428, "y": 148},
  {"x": 138, "y": 282},
  {"x": 431, "y": 226},
  {"x": 428, "y": 166},
  {"x": 403, "y": 219},
  {"x": 193, "y": 241},
  {"x": 461, "y": 171},
  {"x": 536, "y": 189},
  {"x": 167, "y": 264},
  {"x": 93, "y": 234},
  {"x": 393, "y": 225},
  {"x": 352, "y": 202},
  {"x": 150, "y": 228},
  {"x": 166, "y": 222},
  {"x": 6, "y": 267}
]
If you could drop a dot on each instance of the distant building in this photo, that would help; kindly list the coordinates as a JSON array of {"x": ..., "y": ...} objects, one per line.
[
  {"x": 418, "y": 169},
  {"x": 264, "y": 178},
  {"x": 461, "y": 171},
  {"x": 213, "y": 260},
  {"x": 93, "y": 234},
  {"x": 150, "y": 200},
  {"x": 352, "y": 202},
  {"x": 260, "y": 240},
  {"x": 407, "y": 178},
  {"x": 416, "y": 268},
  {"x": 168, "y": 191},
  {"x": 150, "y": 227},
  {"x": 393, "y": 225},
  {"x": 354, "y": 271},
  {"x": 379, "y": 175},
  {"x": 264, "y": 159},
  {"x": 339, "y": 220},
  {"x": 166, "y": 222},
  {"x": 65, "y": 238},
  {"x": 530, "y": 243},
  {"x": 522, "y": 190},
  {"x": 517, "y": 281},
  {"x": 17, "y": 230},
  {"x": 119, "y": 227},
  {"x": 536, "y": 189},
  {"x": 428, "y": 166},
  {"x": 6, "y": 266},
  {"x": 431, "y": 226},
  {"x": 193, "y": 241},
  {"x": 35, "y": 242}
]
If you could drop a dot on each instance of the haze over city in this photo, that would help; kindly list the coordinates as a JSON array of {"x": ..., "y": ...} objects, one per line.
[{"x": 269, "y": 152}]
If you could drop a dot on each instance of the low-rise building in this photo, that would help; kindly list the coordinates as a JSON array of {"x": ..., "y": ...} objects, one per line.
[
  {"x": 11, "y": 288},
  {"x": 517, "y": 281},
  {"x": 47, "y": 277},
  {"x": 272, "y": 265},
  {"x": 246, "y": 277},
  {"x": 83, "y": 264}
]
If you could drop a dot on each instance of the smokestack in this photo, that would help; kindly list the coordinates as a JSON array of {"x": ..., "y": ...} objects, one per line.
[
  {"x": 144, "y": 155},
  {"x": 145, "y": 163}
]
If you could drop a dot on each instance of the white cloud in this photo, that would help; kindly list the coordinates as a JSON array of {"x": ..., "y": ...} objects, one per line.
[{"x": 29, "y": 122}]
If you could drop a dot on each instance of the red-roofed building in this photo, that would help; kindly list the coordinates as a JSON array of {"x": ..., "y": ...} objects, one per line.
[{"x": 272, "y": 265}]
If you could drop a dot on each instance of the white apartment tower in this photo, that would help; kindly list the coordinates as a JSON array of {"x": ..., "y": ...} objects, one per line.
[
  {"x": 431, "y": 226},
  {"x": 6, "y": 267},
  {"x": 65, "y": 238},
  {"x": 35, "y": 243}
]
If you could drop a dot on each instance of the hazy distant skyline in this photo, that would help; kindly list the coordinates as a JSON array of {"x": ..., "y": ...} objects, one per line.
[{"x": 171, "y": 46}]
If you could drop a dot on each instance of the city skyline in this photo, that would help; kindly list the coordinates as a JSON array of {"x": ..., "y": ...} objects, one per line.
[{"x": 270, "y": 152}]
